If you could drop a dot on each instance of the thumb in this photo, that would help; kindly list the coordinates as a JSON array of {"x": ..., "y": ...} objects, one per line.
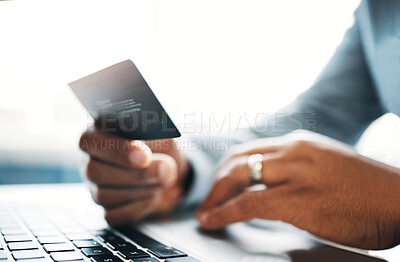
[
  {"x": 165, "y": 168},
  {"x": 161, "y": 145}
]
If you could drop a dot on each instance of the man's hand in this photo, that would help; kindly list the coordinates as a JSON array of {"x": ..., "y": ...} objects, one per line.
[
  {"x": 133, "y": 179},
  {"x": 314, "y": 183}
]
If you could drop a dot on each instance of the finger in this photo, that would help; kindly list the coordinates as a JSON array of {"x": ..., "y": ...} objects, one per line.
[
  {"x": 237, "y": 178},
  {"x": 171, "y": 197},
  {"x": 115, "y": 150},
  {"x": 161, "y": 145},
  {"x": 249, "y": 149},
  {"x": 132, "y": 212},
  {"x": 111, "y": 198},
  {"x": 162, "y": 171},
  {"x": 265, "y": 204},
  {"x": 265, "y": 145},
  {"x": 240, "y": 208},
  {"x": 229, "y": 183},
  {"x": 260, "y": 146}
]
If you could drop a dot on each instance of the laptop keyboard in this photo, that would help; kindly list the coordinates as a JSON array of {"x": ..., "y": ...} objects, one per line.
[{"x": 28, "y": 234}]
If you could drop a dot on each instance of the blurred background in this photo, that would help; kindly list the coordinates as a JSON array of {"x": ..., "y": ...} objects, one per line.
[{"x": 205, "y": 60}]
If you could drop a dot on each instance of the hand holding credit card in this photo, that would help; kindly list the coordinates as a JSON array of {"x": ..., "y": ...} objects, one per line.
[
  {"x": 129, "y": 177},
  {"x": 121, "y": 102}
]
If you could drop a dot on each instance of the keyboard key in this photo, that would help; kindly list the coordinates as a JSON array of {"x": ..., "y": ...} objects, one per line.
[
  {"x": 42, "y": 227},
  {"x": 149, "y": 259},
  {"x": 9, "y": 223},
  {"x": 166, "y": 252},
  {"x": 106, "y": 259},
  {"x": 70, "y": 229},
  {"x": 27, "y": 254},
  {"x": 100, "y": 232},
  {"x": 37, "y": 223},
  {"x": 11, "y": 227},
  {"x": 58, "y": 247},
  {"x": 3, "y": 255},
  {"x": 33, "y": 260},
  {"x": 22, "y": 245},
  {"x": 51, "y": 240},
  {"x": 95, "y": 251},
  {"x": 182, "y": 259},
  {"x": 17, "y": 238},
  {"x": 6, "y": 220},
  {"x": 127, "y": 254},
  {"x": 110, "y": 237},
  {"x": 65, "y": 256},
  {"x": 121, "y": 245},
  {"x": 79, "y": 236},
  {"x": 45, "y": 233},
  {"x": 64, "y": 222},
  {"x": 67, "y": 226},
  {"x": 11, "y": 231},
  {"x": 158, "y": 249},
  {"x": 86, "y": 243}
]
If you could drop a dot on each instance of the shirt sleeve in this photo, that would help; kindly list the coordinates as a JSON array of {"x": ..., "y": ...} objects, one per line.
[{"x": 340, "y": 104}]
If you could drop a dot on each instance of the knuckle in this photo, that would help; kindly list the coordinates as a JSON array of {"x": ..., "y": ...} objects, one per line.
[
  {"x": 301, "y": 144},
  {"x": 100, "y": 196},
  {"x": 91, "y": 171},
  {"x": 230, "y": 174},
  {"x": 110, "y": 218}
]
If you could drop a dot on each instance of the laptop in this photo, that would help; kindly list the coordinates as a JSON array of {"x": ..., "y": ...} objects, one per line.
[{"x": 61, "y": 223}]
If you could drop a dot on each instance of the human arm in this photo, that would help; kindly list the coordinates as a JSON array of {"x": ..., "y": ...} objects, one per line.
[
  {"x": 313, "y": 182},
  {"x": 340, "y": 104}
]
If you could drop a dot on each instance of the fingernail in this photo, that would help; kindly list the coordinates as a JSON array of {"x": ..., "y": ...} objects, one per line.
[
  {"x": 164, "y": 171},
  {"x": 140, "y": 155}
]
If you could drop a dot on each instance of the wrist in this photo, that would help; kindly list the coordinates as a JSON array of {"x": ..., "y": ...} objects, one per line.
[
  {"x": 187, "y": 180},
  {"x": 185, "y": 186},
  {"x": 183, "y": 167}
]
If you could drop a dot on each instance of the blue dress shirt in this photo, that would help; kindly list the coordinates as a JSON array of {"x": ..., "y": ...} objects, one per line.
[{"x": 360, "y": 83}]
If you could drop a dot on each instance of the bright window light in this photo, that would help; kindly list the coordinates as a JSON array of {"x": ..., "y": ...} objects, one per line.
[{"x": 205, "y": 58}]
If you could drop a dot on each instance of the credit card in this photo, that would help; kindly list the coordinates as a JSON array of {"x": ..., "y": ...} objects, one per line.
[{"x": 122, "y": 103}]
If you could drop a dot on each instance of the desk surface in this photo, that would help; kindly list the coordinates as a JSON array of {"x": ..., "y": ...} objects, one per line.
[{"x": 256, "y": 241}]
